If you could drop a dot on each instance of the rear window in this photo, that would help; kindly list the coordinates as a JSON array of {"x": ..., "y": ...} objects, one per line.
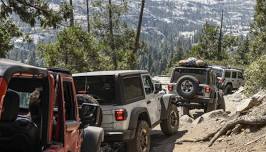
[
  {"x": 132, "y": 89},
  {"x": 218, "y": 72},
  {"x": 200, "y": 74},
  {"x": 227, "y": 74},
  {"x": 102, "y": 88}
]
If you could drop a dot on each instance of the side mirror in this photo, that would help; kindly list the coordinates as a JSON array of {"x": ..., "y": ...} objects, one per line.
[
  {"x": 90, "y": 114},
  {"x": 158, "y": 87}
]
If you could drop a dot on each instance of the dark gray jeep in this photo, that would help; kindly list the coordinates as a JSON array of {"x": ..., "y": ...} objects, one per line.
[{"x": 196, "y": 88}]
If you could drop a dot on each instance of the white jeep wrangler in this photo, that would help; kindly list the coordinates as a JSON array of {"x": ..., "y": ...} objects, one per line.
[
  {"x": 131, "y": 105},
  {"x": 229, "y": 78}
]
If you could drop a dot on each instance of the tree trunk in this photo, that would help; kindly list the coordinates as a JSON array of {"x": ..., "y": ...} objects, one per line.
[
  {"x": 88, "y": 15},
  {"x": 220, "y": 39},
  {"x": 245, "y": 120},
  {"x": 72, "y": 13},
  {"x": 112, "y": 35},
  {"x": 139, "y": 26}
]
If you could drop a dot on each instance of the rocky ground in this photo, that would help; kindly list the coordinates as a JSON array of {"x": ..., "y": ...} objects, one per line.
[{"x": 196, "y": 131}]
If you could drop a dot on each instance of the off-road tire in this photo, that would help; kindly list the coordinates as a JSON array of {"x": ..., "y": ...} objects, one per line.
[
  {"x": 184, "y": 111},
  {"x": 221, "y": 102},
  {"x": 228, "y": 89},
  {"x": 187, "y": 86},
  {"x": 142, "y": 140},
  {"x": 170, "y": 125}
]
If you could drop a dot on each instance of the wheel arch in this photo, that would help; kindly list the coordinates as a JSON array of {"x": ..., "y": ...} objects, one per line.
[
  {"x": 166, "y": 100},
  {"x": 139, "y": 113}
]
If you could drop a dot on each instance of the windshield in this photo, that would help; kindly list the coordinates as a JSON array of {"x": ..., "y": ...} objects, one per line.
[
  {"x": 102, "y": 88},
  {"x": 218, "y": 72},
  {"x": 200, "y": 74},
  {"x": 24, "y": 99}
]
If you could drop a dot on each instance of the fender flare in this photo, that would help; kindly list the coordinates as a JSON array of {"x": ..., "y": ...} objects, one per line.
[
  {"x": 134, "y": 117},
  {"x": 166, "y": 100},
  {"x": 92, "y": 139}
]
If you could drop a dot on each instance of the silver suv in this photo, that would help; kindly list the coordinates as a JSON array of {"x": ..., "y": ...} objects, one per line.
[
  {"x": 229, "y": 78},
  {"x": 131, "y": 106}
]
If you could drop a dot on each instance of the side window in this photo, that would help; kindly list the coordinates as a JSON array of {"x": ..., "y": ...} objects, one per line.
[
  {"x": 132, "y": 88},
  {"x": 240, "y": 75},
  {"x": 80, "y": 83},
  {"x": 148, "y": 85},
  {"x": 227, "y": 74},
  {"x": 69, "y": 100},
  {"x": 234, "y": 75}
]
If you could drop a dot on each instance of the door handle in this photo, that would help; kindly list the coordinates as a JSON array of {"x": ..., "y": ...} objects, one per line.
[{"x": 148, "y": 102}]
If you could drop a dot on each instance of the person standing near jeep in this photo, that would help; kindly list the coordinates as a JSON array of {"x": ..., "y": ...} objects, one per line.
[{"x": 131, "y": 106}]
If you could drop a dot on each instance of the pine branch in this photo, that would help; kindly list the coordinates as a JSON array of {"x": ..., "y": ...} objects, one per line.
[
  {"x": 4, "y": 3},
  {"x": 24, "y": 2}
]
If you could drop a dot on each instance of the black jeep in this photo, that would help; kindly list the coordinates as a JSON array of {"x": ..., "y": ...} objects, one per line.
[{"x": 196, "y": 88}]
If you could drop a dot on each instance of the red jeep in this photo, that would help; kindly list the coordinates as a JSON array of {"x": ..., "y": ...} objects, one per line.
[{"x": 39, "y": 111}]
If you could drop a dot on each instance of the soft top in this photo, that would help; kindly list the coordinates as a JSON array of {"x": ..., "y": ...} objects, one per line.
[
  {"x": 107, "y": 73},
  {"x": 10, "y": 67}
]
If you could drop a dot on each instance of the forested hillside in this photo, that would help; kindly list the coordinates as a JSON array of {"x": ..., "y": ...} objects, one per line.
[{"x": 169, "y": 28}]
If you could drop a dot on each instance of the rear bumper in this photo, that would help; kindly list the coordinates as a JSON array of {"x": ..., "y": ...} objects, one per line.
[
  {"x": 119, "y": 136},
  {"x": 198, "y": 102}
]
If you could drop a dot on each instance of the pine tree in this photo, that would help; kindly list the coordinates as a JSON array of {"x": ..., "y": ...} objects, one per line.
[
  {"x": 258, "y": 44},
  {"x": 8, "y": 30},
  {"x": 31, "y": 12},
  {"x": 114, "y": 34},
  {"x": 74, "y": 49}
]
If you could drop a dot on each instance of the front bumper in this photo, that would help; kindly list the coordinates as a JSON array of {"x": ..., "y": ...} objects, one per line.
[{"x": 119, "y": 136}]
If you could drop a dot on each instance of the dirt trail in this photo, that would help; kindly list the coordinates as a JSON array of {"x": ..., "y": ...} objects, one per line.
[{"x": 248, "y": 140}]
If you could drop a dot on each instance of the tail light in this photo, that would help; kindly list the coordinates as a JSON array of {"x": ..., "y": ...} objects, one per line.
[
  {"x": 207, "y": 89},
  {"x": 170, "y": 87},
  {"x": 120, "y": 114}
]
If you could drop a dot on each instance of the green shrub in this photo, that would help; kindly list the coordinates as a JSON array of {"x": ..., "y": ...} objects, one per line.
[{"x": 255, "y": 76}]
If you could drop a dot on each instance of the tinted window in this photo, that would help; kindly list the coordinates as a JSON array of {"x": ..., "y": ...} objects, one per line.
[
  {"x": 102, "y": 88},
  {"x": 148, "y": 85},
  {"x": 240, "y": 75},
  {"x": 228, "y": 74},
  {"x": 132, "y": 88},
  {"x": 233, "y": 74},
  {"x": 200, "y": 74},
  {"x": 24, "y": 99},
  {"x": 80, "y": 84},
  {"x": 69, "y": 100},
  {"x": 218, "y": 72}
]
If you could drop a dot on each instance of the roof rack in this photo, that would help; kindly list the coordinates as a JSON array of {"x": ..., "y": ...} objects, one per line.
[
  {"x": 226, "y": 67},
  {"x": 61, "y": 70}
]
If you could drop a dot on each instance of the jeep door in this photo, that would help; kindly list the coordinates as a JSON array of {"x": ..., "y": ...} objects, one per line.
[
  {"x": 72, "y": 137},
  {"x": 234, "y": 80},
  {"x": 152, "y": 99}
]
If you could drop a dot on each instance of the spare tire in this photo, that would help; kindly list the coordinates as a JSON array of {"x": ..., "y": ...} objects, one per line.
[{"x": 187, "y": 86}]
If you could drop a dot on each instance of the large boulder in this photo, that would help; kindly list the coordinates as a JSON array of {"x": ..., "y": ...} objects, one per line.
[
  {"x": 186, "y": 119},
  {"x": 216, "y": 114},
  {"x": 251, "y": 102},
  {"x": 238, "y": 96}
]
